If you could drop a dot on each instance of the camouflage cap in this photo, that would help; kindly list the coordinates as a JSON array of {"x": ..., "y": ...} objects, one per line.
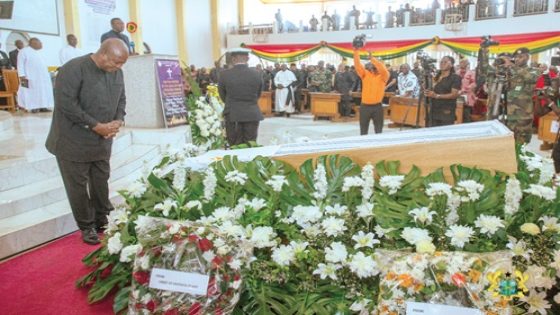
[{"x": 522, "y": 50}]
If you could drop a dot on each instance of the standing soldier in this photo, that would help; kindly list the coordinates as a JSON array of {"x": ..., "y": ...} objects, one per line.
[
  {"x": 321, "y": 79},
  {"x": 343, "y": 82},
  {"x": 520, "y": 97}
]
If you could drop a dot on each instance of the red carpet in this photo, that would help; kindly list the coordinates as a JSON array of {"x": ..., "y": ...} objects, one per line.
[{"x": 42, "y": 281}]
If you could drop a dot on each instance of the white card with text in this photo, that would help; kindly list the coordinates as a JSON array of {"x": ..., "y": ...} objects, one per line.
[
  {"x": 414, "y": 308},
  {"x": 178, "y": 281},
  {"x": 554, "y": 126}
]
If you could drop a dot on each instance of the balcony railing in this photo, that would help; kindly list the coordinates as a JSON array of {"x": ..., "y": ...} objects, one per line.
[
  {"x": 462, "y": 10},
  {"x": 423, "y": 17},
  {"x": 530, "y": 7},
  {"x": 490, "y": 9},
  {"x": 557, "y": 6}
]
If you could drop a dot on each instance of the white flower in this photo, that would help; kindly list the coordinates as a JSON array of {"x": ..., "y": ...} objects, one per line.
[
  {"x": 223, "y": 214},
  {"x": 534, "y": 162},
  {"x": 556, "y": 263},
  {"x": 263, "y": 236},
  {"x": 550, "y": 224},
  {"x": 193, "y": 204},
  {"x": 541, "y": 191},
  {"x": 360, "y": 306},
  {"x": 129, "y": 251},
  {"x": 283, "y": 255},
  {"x": 320, "y": 179},
  {"x": 236, "y": 177},
  {"x": 299, "y": 247},
  {"x": 425, "y": 247},
  {"x": 472, "y": 188},
  {"x": 174, "y": 228},
  {"x": 114, "y": 245},
  {"x": 333, "y": 226},
  {"x": 537, "y": 302},
  {"x": 232, "y": 230},
  {"x": 363, "y": 266},
  {"x": 143, "y": 262},
  {"x": 369, "y": 182},
  {"x": 519, "y": 248},
  {"x": 381, "y": 231},
  {"x": 336, "y": 253},
  {"x": 303, "y": 215},
  {"x": 364, "y": 240},
  {"x": 277, "y": 182},
  {"x": 459, "y": 235},
  {"x": 327, "y": 271},
  {"x": 365, "y": 210},
  {"x": 166, "y": 206},
  {"x": 179, "y": 178},
  {"x": 546, "y": 173},
  {"x": 116, "y": 218},
  {"x": 415, "y": 235},
  {"x": 422, "y": 215},
  {"x": 208, "y": 255},
  {"x": 488, "y": 224},
  {"x": 257, "y": 204},
  {"x": 336, "y": 209},
  {"x": 391, "y": 182},
  {"x": 143, "y": 224},
  {"x": 453, "y": 203},
  {"x": 209, "y": 183},
  {"x": 438, "y": 189},
  {"x": 352, "y": 181},
  {"x": 137, "y": 189},
  {"x": 530, "y": 228},
  {"x": 235, "y": 264},
  {"x": 512, "y": 196},
  {"x": 557, "y": 298},
  {"x": 538, "y": 278}
]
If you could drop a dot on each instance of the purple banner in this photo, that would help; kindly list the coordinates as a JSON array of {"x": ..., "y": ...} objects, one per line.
[{"x": 170, "y": 84}]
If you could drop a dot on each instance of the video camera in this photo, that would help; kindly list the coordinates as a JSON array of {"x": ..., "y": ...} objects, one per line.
[
  {"x": 359, "y": 41},
  {"x": 428, "y": 63},
  {"x": 486, "y": 41}
]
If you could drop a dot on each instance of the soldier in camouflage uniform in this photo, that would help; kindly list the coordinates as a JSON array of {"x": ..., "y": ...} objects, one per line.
[
  {"x": 321, "y": 79},
  {"x": 521, "y": 85}
]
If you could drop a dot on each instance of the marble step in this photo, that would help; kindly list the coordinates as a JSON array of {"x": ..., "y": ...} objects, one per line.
[
  {"x": 6, "y": 121},
  {"x": 23, "y": 172},
  {"x": 24, "y": 198},
  {"x": 27, "y": 230}
]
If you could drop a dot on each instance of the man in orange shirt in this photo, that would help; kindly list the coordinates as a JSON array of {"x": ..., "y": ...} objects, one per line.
[{"x": 374, "y": 78}]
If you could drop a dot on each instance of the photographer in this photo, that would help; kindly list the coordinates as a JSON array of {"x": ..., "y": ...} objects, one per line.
[
  {"x": 374, "y": 77},
  {"x": 444, "y": 94}
]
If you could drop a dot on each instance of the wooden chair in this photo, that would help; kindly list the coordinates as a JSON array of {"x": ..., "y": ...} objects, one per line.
[{"x": 11, "y": 82}]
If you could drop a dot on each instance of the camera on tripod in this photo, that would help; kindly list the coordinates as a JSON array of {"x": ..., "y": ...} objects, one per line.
[
  {"x": 486, "y": 41},
  {"x": 359, "y": 41},
  {"x": 428, "y": 63}
]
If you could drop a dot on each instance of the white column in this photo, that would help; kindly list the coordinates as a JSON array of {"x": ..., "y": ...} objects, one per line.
[
  {"x": 407, "y": 18},
  {"x": 438, "y": 16},
  {"x": 472, "y": 12},
  {"x": 510, "y": 7}
]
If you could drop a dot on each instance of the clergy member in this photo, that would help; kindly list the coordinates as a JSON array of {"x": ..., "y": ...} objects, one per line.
[
  {"x": 14, "y": 53},
  {"x": 89, "y": 110},
  {"x": 284, "y": 99},
  {"x": 36, "y": 91},
  {"x": 240, "y": 87},
  {"x": 71, "y": 51}
]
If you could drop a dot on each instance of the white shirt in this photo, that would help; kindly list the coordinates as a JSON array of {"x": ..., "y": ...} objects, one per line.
[
  {"x": 408, "y": 83},
  {"x": 68, "y": 53}
]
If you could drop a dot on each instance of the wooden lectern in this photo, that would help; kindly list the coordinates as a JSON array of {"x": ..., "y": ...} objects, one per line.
[
  {"x": 548, "y": 127},
  {"x": 265, "y": 103},
  {"x": 325, "y": 105},
  {"x": 403, "y": 111}
]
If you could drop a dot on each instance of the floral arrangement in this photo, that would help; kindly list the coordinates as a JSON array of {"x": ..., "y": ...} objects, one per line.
[
  {"x": 205, "y": 120},
  {"x": 320, "y": 233}
]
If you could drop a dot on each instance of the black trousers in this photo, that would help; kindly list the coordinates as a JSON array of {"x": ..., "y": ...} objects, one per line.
[
  {"x": 238, "y": 132},
  {"x": 87, "y": 189},
  {"x": 345, "y": 107},
  {"x": 467, "y": 111},
  {"x": 371, "y": 112}
]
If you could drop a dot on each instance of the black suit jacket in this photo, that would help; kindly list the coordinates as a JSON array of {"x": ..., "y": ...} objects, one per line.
[
  {"x": 13, "y": 57},
  {"x": 5, "y": 62},
  {"x": 240, "y": 88}
]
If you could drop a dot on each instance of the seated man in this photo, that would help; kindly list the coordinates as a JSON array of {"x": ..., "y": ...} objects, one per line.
[{"x": 407, "y": 82}]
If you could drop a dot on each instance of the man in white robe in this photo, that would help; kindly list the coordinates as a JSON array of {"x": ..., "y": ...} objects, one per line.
[
  {"x": 284, "y": 99},
  {"x": 71, "y": 51},
  {"x": 36, "y": 90}
]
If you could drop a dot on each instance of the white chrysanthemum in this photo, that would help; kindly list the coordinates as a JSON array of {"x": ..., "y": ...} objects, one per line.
[
  {"x": 459, "y": 235},
  {"x": 392, "y": 182},
  {"x": 488, "y": 224},
  {"x": 438, "y": 189},
  {"x": 364, "y": 240},
  {"x": 336, "y": 253},
  {"x": 381, "y": 231},
  {"x": 550, "y": 224},
  {"x": 541, "y": 191},
  {"x": 333, "y": 226},
  {"x": 257, "y": 204},
  {"x": 453, "y": 203},
  {"x": 114, "y": 245},
  {"x": 415, "y": 235},
  {"x": 277, "y": 182},
  {"x": 537, "y": 302},
  {"x": 299, "y": 247},
  {"x": 143, "y": 224},
  {"x": 327, "y": 271},
  {"x": 360, "y": 306},
  {"x": 425, "y": 247},
  {"x": 320, "y": 182},
  {"x": 236, "y": 177},
  {"x": 422, "y": 215},
  {"x": 365, "y": 210},
  {"x": 363, "y": 266},
  {"x": 534, "y": 162},
  {"x": 165, "y": 207},
  {"x": 471, "y": 188},
  {"x": 128, "y": 252},
  {"x": 179, "y": 178},
  {"x": 369, "y": 181},
  {"x": 235, "y": 264},
  {"x": 137, "y": 189},
  {"x": 512, "y": 196},
  {"x": 194, "y": 204},
  {"x": 283, "y": 255},
  {"x": 263, "y": 236},
  {"x": 547, "y": 171},
  {"x": 519, "y": 248},
  {"x": 303, "y": 215},
  {"x": 232, "y": 230},
  {"x": 223, "y": 214},
  {"x": 336, "y": 209},
  {"x": 116, "y": 218},
  {"x": 209, "y": 183},
  {"x": 351, "y": 182}
]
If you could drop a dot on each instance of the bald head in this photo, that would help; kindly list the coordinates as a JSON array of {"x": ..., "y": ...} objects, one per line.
[{"x": 112, "y": 55}]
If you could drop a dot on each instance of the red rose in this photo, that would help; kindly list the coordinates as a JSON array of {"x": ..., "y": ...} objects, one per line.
[
  {"x": 176, "y": 238},
  {"x": 151, "y": 306},
  {"x": 218, "y": 311},
  {"x": 212, "y": 287},
  {"x": 172, "y": 311},
  {"x": 217, "y": 261},
  {"x": 193, "y": 238},
  {"x": 142, "y": 277},
  {"x": 156, "y": 251},
  {"x": 106, "y": 272},
  {"x": 236, "y": 277},
  {"x": 195, "y": 309},
  {"x": 205, "y": 244}
]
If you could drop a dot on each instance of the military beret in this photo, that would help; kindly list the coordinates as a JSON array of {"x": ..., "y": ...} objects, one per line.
[{"x": 522, "y": 50}]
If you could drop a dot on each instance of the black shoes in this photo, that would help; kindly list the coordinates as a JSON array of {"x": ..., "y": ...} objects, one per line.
[{"x": 89, "y": 236}]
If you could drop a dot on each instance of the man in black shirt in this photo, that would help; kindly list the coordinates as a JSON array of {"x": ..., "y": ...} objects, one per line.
[
  {"x": 14, "y": 53},
  {"x": 89, "y": 110},
  {"x": 117, "y": 28}
]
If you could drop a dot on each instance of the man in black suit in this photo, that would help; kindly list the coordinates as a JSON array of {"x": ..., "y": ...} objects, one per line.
[
  {"x": 240, "y": 87},
  {"x": 117, "y": 29},
  {"x": 14, "y": 53}
]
